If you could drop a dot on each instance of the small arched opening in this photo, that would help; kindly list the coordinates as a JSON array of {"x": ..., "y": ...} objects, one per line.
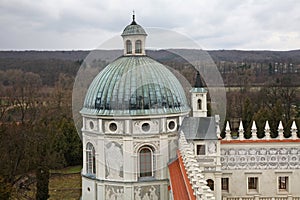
[
  {"x": 210, "y": 184},
  {"x": 90, "y": 159},
  {"x": 199, "y": 103},
  {"x": 128, "y": 47},
  {"x": 146, "y": 161},
  {"x": 138, "y": 46}
]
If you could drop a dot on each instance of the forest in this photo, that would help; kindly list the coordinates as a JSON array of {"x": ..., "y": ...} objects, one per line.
[{"x": 37, "y": 132}]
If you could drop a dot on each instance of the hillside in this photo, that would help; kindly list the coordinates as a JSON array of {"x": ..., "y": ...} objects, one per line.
[{"x": 292, "y": 56}]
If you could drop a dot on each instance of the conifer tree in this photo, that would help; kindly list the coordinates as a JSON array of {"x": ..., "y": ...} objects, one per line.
[{"x": 42, "y": 175}]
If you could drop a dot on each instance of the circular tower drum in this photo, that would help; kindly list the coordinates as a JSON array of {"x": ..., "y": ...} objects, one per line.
[{"x": 131, "y": 114}]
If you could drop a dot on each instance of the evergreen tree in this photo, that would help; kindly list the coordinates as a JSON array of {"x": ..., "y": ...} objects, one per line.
[
  {"x": 275, "y": 117},
  {"x": 260, "y": 118},
  {"x": 42, "y": 175},
  {"x": 247, "y": 116}
]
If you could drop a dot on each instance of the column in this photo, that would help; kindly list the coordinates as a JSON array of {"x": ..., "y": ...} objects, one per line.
[
  {"x": 218, "y": 189},
  {"x": 128, "y": 161},
  {"x": 100, "y": 158},
  {"x": 164, "y": 154}
]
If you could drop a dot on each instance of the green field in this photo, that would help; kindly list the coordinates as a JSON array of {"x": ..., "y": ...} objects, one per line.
[{"x": 64, "y": 184}]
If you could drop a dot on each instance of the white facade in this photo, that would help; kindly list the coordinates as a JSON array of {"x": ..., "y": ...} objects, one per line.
[
  {"x": 274, "y": 165},
  {"x": 199, "y": 102},
  {"x": 117, "y": 156}
]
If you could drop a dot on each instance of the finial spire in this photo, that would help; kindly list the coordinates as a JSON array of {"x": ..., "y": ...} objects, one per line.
[
  {"x": 133, "y": 18},
  {"x": 198, "y": 83}
]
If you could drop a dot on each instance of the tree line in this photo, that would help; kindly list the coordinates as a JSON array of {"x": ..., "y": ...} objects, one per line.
[
  {"x": 276, "y": 101},
  {"x": 37, "y": 132}
]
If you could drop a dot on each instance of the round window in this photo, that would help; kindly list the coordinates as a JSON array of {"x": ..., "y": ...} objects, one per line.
[
  {"x": 91, "y": 125},
  {"x": 113, "y": 127},
  {"x": 171, "y": 125},
  {"x": 146, "y": 127},
  {"x": 88, "y": 189}
]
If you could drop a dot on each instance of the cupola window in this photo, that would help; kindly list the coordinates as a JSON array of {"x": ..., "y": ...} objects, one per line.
[
  {"x": 138, "y": 46},
  {"x": 128, "y": 47},
  {"x": 199, "y": 104}
]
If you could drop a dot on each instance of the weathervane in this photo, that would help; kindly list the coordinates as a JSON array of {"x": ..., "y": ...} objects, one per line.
[
  {"x": 133, "y": 18},
  {"x": 133, "y": 15}
]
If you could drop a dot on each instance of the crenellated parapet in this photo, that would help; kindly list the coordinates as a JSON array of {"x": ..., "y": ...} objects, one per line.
[{"x": 241, "y": 133}]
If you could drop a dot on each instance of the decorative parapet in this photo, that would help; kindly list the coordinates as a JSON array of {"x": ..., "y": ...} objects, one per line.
[
  {"x": 294, "y": 131},
  {"x": 246, "y": 156},
  {"x": 227, "y": 131},
  {"x": 267, "y": 131},
  {"x": 241, "y": 133},
  {"x": 192, "y": 168}
]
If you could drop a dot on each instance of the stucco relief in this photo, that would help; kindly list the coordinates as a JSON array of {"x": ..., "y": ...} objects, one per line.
[
  {"x": 260, "y": 158},
  {"x": 114, "y": 160},
  {"x": 114, "y": 192},
  {"x": 146, "y": 192},
  {"x": 212, "y": 147}
]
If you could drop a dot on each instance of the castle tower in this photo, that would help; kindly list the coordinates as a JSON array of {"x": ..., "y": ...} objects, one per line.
[
  {"x": 199, "y": 98},
  {"x": 131, "y": 114}
]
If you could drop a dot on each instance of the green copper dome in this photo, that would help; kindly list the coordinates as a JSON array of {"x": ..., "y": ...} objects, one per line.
[{"x": 135, "y": 85}]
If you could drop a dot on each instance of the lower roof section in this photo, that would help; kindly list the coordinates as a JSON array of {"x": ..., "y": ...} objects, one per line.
[
  {"x": 177, "y": 182},
  {"x": 180, "y": 184}
]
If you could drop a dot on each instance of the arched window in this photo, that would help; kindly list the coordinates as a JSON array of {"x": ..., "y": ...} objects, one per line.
[
  {"x": 90, "y": 159},
  {"x": 138, "y": 46},
  {"x": 210, "y": 184},
  {"x": 146, "y": 161},
  {"x": 128, "y": 47},
  {"x": 199, "y": 104}
]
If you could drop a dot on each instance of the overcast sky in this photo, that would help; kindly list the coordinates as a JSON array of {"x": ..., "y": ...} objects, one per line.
[{"x": 213, "y": 24}]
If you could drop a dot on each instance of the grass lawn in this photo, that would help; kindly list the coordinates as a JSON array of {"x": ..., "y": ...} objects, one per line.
[
  {"x": 68, "y": 170},
  {"x": 64, "y": 184}
]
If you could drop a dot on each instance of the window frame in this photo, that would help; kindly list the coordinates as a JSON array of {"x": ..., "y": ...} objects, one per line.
[
  {"x": 138, "y": 47},
  {"x": 140, "y": 173},
  {"x": 227, "y": 184},
  {"x": 90, "y": 159},
  {"x": 285, "y": 190},
  {"x": 200, "y": 151},
  {"x": 255, "y": 182},
  {"x": 128, "y": 47}
]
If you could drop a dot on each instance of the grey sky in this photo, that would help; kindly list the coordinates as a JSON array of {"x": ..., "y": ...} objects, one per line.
[{"x": 213, "y": 24}]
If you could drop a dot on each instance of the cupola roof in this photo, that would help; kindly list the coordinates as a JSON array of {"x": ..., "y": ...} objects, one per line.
[{"x": 133, "y": 28}]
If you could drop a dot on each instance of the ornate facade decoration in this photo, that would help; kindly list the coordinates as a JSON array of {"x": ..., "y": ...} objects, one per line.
[
  {"x": 260, "y": 158},
  {"x": 151, "y": 192}
]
